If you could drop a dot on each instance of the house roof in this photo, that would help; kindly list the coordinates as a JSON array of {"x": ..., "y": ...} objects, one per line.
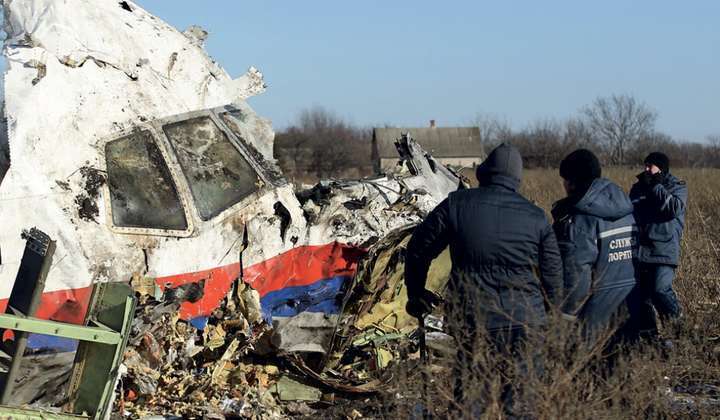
[{"x": 441, "y": 142}]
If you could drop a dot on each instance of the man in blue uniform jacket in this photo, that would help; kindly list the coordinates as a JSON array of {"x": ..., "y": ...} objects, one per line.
[
  {"x": 659, "y": 199},
  {"x": 597, "y": 237}
]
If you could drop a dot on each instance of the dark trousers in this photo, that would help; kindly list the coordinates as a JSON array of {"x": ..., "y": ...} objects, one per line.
[
  {"x": 653, "y": 290},
  {"x": 508, "y": 346}
]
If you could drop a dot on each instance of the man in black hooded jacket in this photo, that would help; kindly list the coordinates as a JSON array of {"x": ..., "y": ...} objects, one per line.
[
  {"x": 597, "y": 236},
  {"x": 506, "y": 264}
]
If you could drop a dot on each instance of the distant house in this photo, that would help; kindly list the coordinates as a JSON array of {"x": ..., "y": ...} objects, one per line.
[{"x": 456, "y": 146}]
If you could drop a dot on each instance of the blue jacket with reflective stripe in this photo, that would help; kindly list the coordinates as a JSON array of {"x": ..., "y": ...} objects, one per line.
[
  {"x": 660, "y": 214},
  {"x": 597, "y": 237}
]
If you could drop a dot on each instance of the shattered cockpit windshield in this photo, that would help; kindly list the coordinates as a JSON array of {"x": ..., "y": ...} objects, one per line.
[
  {"x": 142, "y": 192},
  {"x": 218, "y": 175}
]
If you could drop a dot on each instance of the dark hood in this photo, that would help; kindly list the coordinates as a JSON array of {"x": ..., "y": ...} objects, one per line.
[
  {"x": 504, "y": 160},
  {"x": 603, "y": 199},
  {"x": 606, "y": 200},
  {"x": 506, "y": 181}
]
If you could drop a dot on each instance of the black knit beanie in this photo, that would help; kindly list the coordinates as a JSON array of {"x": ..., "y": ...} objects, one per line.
[
  {"x": 660, "y": 160},
  {"x": 580, "y": 167}
]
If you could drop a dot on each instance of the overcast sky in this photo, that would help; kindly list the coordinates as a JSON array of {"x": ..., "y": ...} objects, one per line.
[{"x": 405, "y": 62}]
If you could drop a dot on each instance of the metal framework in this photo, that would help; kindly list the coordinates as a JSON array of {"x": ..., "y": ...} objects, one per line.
[{"x": 102, "y": 339}]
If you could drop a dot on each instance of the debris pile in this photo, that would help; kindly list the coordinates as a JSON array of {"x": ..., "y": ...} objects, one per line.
[
  {"x": 373, "y": 328},
  {"x": 241, "y": 364},
  {"x": 175, "y": 368}
]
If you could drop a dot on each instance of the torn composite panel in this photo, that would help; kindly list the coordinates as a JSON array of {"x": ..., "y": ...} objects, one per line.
[{"x": 373, "y": 321}]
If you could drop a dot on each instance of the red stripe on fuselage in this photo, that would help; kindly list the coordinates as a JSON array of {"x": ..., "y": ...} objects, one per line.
[
  {"x": 300, "y": 266},
  {"x": 64, "y": 305}
]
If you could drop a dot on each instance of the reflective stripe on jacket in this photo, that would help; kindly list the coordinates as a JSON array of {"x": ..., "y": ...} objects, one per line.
[{"x": 597, "y": 237}]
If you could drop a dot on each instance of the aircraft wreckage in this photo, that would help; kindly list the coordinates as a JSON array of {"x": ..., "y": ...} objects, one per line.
[{"x": 138, "y": 155}]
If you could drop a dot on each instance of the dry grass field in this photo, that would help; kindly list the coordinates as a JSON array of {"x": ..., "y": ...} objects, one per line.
[{"x": 578, "y": 382}]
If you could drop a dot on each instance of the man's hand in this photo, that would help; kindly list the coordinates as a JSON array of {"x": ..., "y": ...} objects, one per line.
[
  {"x": 419, "y": 306},
  {"x": 645, "y": 178},
  {"x": 650, "y": 180},
  {"x": 657, "y": 178}
]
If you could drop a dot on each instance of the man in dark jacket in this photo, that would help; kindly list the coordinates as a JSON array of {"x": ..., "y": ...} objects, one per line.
[
  {"x": 659, "y": 199},
  {"x": 597, "y": 237},
  {"x": 505, "y": 261}
]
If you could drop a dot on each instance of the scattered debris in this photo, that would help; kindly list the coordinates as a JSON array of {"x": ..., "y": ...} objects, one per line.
[
  {"x": 174, "y": 368},
  {"x": 238, "y": 359},
  {"x": 288, "y": 389},
  {"x": 373, "y": 320}
]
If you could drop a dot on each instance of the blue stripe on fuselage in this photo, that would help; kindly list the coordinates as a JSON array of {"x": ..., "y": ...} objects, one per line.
[{"x": 321, "y": 296}]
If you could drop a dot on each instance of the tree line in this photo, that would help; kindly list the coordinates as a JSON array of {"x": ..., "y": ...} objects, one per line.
[
  {"x": 618, "y": 128},
  {"x": 321, "y": 145}
]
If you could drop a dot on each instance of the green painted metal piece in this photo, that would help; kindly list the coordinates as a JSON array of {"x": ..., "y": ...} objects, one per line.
[
  {"x": 27, "y": 414},
  {"x": 95, "y": 372},
  {"x": 59, "y": 329},
  {"x": 99, "y": 353}
]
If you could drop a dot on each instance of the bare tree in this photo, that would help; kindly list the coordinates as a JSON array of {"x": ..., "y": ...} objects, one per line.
[
  {"x": 618, "y": 122},
  {"x": 714, "y": 149},
  {"x": 577, "y": 135},
  {"x": 493, "y": 130},
  {"x": 714, "y": 141},
  {"x": 323, "y": 145},
  {"x": 650, "y": 142},
  {"x": 545, "y": 137}
]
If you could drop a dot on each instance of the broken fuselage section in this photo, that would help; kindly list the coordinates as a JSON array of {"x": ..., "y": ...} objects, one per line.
[{"x": 138, "y": 153}]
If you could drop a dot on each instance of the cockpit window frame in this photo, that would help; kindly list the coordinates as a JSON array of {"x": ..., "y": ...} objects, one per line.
[
  {"x": 210, "y": 198},
  {"x": 266, "y": 183},
  {"x": 179, "y": 188},
  {"x": 268, "y": 179}
]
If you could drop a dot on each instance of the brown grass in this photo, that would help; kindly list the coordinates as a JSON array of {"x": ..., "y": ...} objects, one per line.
[{"x": 682, "y": 382}]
